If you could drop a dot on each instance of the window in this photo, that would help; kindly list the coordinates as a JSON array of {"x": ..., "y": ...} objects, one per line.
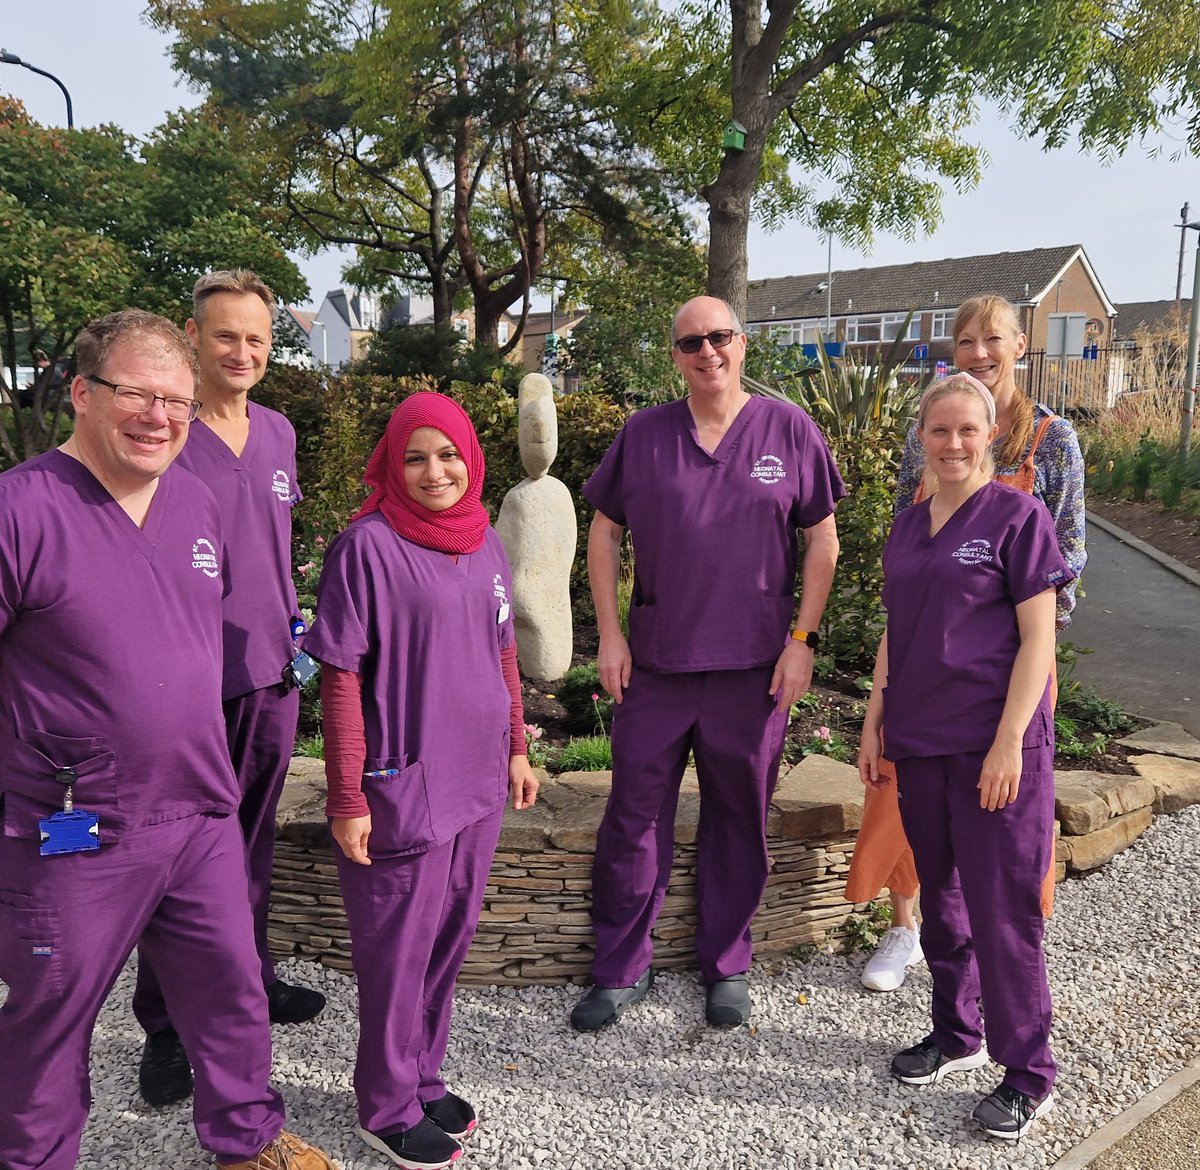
[
  {"x": 501, "y": 332},
  {"x": 881, "y": 327},
  {"x": 942, "y": 321},
  {"x": 893, "y": 323},
  {"x": 860, "y": 329},
  {"x": 795, "y": 332}
]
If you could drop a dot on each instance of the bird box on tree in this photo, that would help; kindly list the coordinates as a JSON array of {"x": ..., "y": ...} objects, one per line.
[{"x": 735, "y": 136}]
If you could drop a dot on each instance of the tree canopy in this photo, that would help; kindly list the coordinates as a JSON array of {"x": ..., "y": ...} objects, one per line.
[
  {"x": 92, "y": 221},
  {"x": 458, "y": 145},
  {"x": 854, "y": 111}
]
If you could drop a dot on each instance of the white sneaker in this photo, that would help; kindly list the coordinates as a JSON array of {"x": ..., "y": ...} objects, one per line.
[{"x": 898, "y": 950}]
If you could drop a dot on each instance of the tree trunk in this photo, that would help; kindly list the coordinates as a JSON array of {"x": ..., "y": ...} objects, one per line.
[{"x": 728, "y": 228}]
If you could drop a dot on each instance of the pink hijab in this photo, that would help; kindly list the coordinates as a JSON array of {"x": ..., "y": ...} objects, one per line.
[{"x": 459, "y": 529}]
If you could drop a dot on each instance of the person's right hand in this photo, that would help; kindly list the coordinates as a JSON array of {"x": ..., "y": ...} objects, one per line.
[
  {"x": 351, "y": 834},
  {"x": 869, "y": 752},
  {"x": 614, "y": 662}
]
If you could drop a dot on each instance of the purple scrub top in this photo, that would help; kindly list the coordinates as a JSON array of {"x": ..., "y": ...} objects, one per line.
[
  {"x": 110, "y": 650},
  {"x": 952, "y": 623},
  {"x": 256, "y": 492},
  {"x": 425, "y": 633},
  {"x": 716, "y": 536}
]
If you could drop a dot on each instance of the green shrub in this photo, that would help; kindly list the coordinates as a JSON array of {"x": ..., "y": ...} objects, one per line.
[
  {"x": 589, "y": 708},
  {"x": 591, "y": 753}
]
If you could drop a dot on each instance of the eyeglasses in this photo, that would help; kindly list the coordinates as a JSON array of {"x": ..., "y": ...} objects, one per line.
[
  {"x": 136, "y": 401},
  {"x": 718, "y": 339}
]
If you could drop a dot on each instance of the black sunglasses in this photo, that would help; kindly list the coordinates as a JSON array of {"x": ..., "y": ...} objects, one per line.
[{"x": 718, "y": 339}]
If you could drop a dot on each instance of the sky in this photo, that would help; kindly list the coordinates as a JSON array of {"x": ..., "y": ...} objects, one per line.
[{"x": 1125, "y": 214}]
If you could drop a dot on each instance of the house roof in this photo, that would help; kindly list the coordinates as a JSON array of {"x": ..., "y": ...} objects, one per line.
[
  {"x": 538, "y": 324},
  {"x": 1023, "y": 277},
  {"x": 303, "y": 317},
  {"x": 1149, "y": 316}
]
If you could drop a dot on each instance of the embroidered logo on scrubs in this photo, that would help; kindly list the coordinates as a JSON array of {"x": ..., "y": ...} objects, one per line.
[
  {"x": 499, "y": 592},
  {"x": 281, "y": 485},
  {"x": 973, "y": 552},
  {"x": 204, "y": 558},
  {"x": 768, "y": 469},
  {"x": 43, "y": 952}
]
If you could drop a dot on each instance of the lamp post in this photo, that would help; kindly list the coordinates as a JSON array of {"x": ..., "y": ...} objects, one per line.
[
  {"x": 1189, "y": 388},
  {"x": 7, "y": 58}
]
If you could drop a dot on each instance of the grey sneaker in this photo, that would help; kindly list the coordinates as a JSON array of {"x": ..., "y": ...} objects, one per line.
[
  {"x": 926, "y": 1063},
  {"x": 1008, "y": 1113},
  {"x": 603, "y": 1005},
  {"x": 727, "y": 1002}
]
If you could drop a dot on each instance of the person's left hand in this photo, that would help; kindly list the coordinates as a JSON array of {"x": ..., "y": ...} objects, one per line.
[
  {"x": 1001, "y": 776},
  {"x": 793, "y": 674},
  {"x": 523, "y": 781}
]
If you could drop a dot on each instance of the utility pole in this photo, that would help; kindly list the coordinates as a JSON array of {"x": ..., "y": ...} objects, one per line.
[
  {"x": 1189, "y": 389},
  {"x": 1183, "y": 227}
]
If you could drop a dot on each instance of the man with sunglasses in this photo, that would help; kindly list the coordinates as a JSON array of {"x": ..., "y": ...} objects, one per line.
[
  {"x": 117, "y": 796},
  {"x": 246, "y": 454},
  {"x": 719, "y": 491}
]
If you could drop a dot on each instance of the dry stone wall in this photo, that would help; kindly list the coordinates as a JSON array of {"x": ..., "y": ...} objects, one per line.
[{"x": 535, "y": 926}]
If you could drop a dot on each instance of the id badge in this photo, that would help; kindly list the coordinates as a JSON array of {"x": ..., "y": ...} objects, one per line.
[
  {"x": 502, "y": 615},
  {"x": 303, "y": 668},
  {"x": 69, "y": 832}
]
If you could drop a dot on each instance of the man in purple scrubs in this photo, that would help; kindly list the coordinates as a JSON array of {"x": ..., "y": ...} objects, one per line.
[
  {"x": 247, "y": 456},
  {"x": 116, "y": 790},
  {"x": 717, "y": 490}
]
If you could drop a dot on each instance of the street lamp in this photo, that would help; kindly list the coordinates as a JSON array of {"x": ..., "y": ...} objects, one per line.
[
  {"x": 7, "y": 58},
  {"x": 1189, "y": 388}
]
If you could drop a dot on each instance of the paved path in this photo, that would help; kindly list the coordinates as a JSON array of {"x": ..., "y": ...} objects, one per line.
[{"x": 1144, "y": 623}]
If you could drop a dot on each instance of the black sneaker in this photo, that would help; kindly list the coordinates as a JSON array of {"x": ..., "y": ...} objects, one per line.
[
  {"x": 287, "y": 1004},
  {"x": 424, "y": 1147},
  {"x": 603, "y": 1005},
  {"x": 926, "y": 1063},
  {"x": 451, "y": 1114},
  {"x": 164, "y": 1075},
  {"x": 1008, "y": 1113}
]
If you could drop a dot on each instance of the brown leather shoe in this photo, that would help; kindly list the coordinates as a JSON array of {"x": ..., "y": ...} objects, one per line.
[{"x": 286, "y": 1152}]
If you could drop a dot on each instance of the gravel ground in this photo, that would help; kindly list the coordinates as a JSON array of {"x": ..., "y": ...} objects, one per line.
[{"x": 805, "y": 1086}]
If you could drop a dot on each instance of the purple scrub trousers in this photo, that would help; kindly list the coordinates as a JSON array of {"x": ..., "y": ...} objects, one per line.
[
  {"x": 261, "y": 730},
  {"x": 67, "y": 926},
  {"x": 732, "y": 724},
  {"x": 423, "y": 908},
  {"x": 981, "y": 874}
]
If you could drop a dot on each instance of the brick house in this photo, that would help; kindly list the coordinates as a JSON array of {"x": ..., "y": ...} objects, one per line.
[{"x": 867, "y": 307}]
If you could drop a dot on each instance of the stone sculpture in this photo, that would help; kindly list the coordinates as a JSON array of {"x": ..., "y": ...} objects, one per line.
[{"x": 538, "y": 529}]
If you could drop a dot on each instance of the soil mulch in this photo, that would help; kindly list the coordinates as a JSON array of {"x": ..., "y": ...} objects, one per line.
[{"x": 1173, "y": 533}]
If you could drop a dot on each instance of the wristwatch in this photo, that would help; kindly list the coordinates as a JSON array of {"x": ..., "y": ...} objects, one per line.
[{"x": 809, "y": 637}]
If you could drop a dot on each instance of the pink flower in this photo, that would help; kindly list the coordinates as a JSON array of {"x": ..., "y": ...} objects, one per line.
[
  {"x": 533, "y": 731},
  {"x": 824, "y": 734},
  {"x": 320, "y": 542},
  {"x": 595, "y": 697}
]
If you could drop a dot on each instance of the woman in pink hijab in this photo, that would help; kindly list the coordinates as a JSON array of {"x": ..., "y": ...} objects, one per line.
[{"x": 424, "y": 742}]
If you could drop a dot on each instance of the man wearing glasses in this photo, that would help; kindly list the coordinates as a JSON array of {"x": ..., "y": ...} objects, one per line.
[
  {"x": 716, "y": 490},
  {"x": 246, "y": 454},
  {"x": 116, "y": 791}
]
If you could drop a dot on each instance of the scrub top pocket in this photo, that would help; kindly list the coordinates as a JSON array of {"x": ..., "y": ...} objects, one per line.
[{"x": 28, "y": 766}]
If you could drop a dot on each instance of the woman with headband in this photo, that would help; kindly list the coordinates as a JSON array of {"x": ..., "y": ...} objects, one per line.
[
  {"x": 1038, "y": 452},
  {"x": 962, "y": 697}
]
